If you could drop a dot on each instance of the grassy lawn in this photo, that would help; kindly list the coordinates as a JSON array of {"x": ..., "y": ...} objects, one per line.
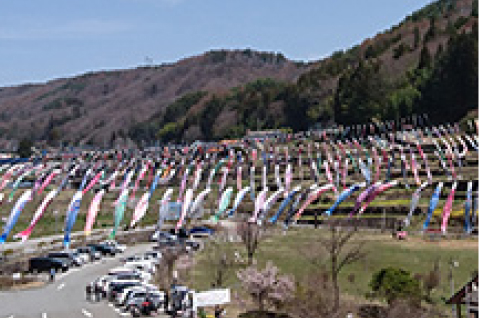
[{"x": 292, "y": 253}]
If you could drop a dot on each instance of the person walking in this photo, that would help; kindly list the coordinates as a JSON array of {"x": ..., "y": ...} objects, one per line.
[
  {"x": 52, "y": 274},
  {"x": 89, "y": 291}
]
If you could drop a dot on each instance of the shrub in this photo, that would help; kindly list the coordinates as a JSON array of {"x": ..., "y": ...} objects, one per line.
[{"x": 394, "y": 284}]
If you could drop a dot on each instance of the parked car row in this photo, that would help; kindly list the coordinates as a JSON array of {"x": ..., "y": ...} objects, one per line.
[
  {"x": 129, "y": 287},
  {"x": 61, "y": 261},
  {"x": 167, "y": 239}
]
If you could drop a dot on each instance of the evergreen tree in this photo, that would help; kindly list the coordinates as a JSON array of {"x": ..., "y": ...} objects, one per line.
[
  {"x": 417, "y": 37},
  {"x": 452, "y": 89},
  {"x": 25, "y": 148},
  {"x": 360, "y": 95}
]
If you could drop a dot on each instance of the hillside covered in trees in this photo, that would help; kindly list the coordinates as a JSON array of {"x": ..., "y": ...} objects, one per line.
[{"x": 426, "y": 64}]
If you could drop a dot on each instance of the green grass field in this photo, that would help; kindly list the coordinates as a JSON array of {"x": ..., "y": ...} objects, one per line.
[{"x": 292, "y": 253}]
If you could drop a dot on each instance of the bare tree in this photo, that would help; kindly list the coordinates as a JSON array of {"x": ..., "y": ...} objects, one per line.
[
  {"x": 220, "y": 260},
  {"x": 250, "y": 235},
  {"x": 312, "y": 298},
  {"x": 431, "y": 280},
  {"x": 340, "y": 254},
  {"x": 164, "y": 271}
]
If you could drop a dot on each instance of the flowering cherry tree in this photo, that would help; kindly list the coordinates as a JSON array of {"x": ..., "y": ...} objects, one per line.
[{"x": 266, "y": 287}]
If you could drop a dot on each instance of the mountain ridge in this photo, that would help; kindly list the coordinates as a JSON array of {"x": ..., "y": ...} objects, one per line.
[{"x": 240, "y": 89}]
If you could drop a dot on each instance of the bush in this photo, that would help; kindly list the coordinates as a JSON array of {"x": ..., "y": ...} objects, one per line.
[
  {"x": 25, "y": 148},
  {"x": 395, "y": 284}
]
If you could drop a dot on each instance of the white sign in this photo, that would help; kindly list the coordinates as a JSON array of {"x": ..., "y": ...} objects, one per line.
[
  {"x": 16, "y": 276},
  {"x": 211, "y": 298}
]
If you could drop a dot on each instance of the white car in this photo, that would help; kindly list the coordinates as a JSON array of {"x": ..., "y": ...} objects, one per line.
[
  {"x": 85, "y": 258},
  {"x": 143, "y": 265},
  {"x": 127, "y": 292},
  {"x": 118, "y": 270},
  {"x": 114, "y": 287},
  {"x": 145, "y": 276},
  {"x": 101, "y": 282},
  {"x": 153, "y": 255},
  {"x": 118, "y": 247},
  {"x": 133, "y": 258}
]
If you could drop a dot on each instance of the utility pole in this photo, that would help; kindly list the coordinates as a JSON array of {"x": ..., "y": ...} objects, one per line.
[
  {"x": 452, "y": 264},
  {"x": 55, "y": 213}
]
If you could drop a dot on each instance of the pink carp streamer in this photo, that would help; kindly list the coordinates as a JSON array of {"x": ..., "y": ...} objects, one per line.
[
  {"x": 185, "y": 208},
  {"x": 93, "y": 182},
  {"x": 287, "y": 179},
  {"x": 465, "y": 149},
  {"x": 414, "y": 169},
  {"x": 426, "y": 164},
  {"x": 254, "y": 155},
  {"x": 47, "y": 181},
  {"x": 362, "y": 197},
  {"x": 446, "y": 212},
  {"x": 199, "y": 171},
  {"x": 224, "y": 178},
  {"x": 345, "y": 172},
  {"x": 139, "y": 179},
  {"x": 277, "y": 176},
  {"x": 38, "y": 214},
  {"x": 312, "y": 197},
  {"x": 196, "y": 205},
  {"x": 329, "y": 176},
  {"x": 239, "y": 177},
  {"x": 258, "y": 205},
  {"x": 380, "y": 189},
  {"x": 449, "y": 156},
  {"x": 140, "y": 209},
  {"x": 7, "y": 175},
  {"x": 183, "y": 185},
  {"x": 150, "y": 176},
  {"x": 92, "y": 212}
]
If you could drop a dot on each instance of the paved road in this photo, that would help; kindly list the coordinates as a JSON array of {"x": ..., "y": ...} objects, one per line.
[
  {"x": 32, "y": 244},
  {"x": 66, "y": 296}
]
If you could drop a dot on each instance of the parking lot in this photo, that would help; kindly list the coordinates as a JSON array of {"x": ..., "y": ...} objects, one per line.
[{"x": 65, "y": 297}]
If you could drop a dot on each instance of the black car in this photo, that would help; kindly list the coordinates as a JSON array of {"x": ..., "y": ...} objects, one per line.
[
  {"x": 128, "y": 276},
  {"x": 69, "y": 258},
  {"x": 104, "y": 249},
  {"x": 41, "y": 264}
]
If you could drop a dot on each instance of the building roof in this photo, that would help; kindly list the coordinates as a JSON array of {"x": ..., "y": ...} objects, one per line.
[{"x": 459, "y": 296}]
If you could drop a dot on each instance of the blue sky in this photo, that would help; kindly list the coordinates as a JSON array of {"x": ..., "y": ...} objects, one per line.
[{"x": 45, "y": 39}]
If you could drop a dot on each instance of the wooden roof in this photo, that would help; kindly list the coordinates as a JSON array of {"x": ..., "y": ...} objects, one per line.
[{"x": 459, "y": 296}]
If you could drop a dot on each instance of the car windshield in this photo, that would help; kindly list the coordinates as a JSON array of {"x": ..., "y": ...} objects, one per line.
[{"x": 54, "y": 260}]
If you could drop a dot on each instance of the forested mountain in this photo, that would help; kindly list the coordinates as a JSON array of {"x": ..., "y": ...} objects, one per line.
[
  {"x": 425, "y": 64},
  {"x": 99, "y": 106}
]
